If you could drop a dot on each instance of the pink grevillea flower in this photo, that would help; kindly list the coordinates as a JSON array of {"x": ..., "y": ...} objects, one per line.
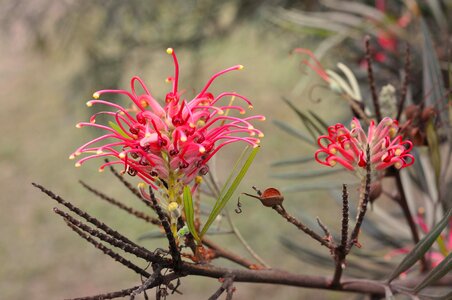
[
  {"x": 348, "y": 147},
  {"x": 168, "y": 145}
]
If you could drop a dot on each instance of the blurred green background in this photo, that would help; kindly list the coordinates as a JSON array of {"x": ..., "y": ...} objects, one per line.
[{"x": 55, "y": 54}]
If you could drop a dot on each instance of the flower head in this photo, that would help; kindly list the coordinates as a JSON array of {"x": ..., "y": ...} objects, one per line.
[
  {"x": 348, "y": 147},
  {"x": 168, "y": 145}
]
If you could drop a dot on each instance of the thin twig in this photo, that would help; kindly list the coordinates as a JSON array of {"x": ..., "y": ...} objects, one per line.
[
  {"x": 324, "y": 228},
  {"x": 221, "y": 252},
  {"x": 174, "y": 250},
  {"x": 139, "y": 252},
  {"x": 149, "y": 281},
  {"x": 345, "y": 217},
  {"x": 244, "y": 242},
  {"x": 362, "y": 206},
  {"x": 406, "y": 81},
  {"x": 280, "y": 210},
  {"x": 86, "y": 216},
  {"x": 125, "y": 292},
  {"x": 227, "y": 284},
  {"x": 130, "y": 210},
  {"x": 340, "y": 250},
  {"x": 108, "y": 251},
  {"x": 370, "y": 76}
]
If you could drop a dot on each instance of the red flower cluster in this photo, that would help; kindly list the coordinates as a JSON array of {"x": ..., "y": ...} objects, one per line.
[
  {"x": 173, "y": 142},
  {"x": 348, "y": 147}
]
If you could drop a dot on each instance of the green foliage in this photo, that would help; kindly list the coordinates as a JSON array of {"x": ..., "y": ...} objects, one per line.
[
  {"x": 228, "y": 190},
  {"x": 421, "y": 248}
]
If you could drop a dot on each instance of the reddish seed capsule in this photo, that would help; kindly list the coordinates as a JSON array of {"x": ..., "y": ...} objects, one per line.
[{"x": 271, "y": 197}]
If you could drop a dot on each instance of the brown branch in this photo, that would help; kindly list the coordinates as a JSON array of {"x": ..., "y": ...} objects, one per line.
[
  {"x": 363, "y": 205},
  {"x": 130, "y": 210},
  {"x": 174, "y": 250},
  {"x": 85, "y": 215},
  {"x": 125, "y": 292},
  {"x": 280, "y": 210},
  {"x": 405, "y": 83},
  {"x": 340, "y": 250},
  {"x": 226, "y": 286},
  {"x": 221, "y": 252},
  {"x": 291, "y": 279},
  {"x": 371, "y": 79},
  {"x": 138, "y": 251},
  {"x": 148, "y": 283},
  {"x": 108, "y": 251}
]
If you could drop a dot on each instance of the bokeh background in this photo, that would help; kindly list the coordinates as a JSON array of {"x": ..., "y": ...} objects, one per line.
[{"x": 55, "y": 54}]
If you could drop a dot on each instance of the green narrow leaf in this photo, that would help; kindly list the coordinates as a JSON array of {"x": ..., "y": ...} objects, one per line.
[
  {"x": 319, "y": 120},
  {"x": 290, "y": 130},
  {"x": 189, "y": 213},
  {"x": 118, "y": 129},
  {"x": 223, "y": 199},
  {"x": 433, "y": 143},
  {"x": 310, "y": 126},
  {"x": 421, "y": 248},
  {"x": 437, "y": 273}
]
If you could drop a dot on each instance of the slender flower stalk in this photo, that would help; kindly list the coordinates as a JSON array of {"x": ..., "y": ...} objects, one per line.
[
  {"x": 348, "y": 147},
  {"x": 168, "y": 146}
]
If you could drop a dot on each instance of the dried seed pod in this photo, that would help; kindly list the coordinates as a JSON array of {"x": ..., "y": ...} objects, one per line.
[{"x": 271, "y": 197}]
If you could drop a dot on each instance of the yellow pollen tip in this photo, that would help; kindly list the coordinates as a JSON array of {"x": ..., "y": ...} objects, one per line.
[
  {"x": 99, "y": 151},
  {"x": 77, "y": 165},
  {"x": 263, "y": 118},
  {"x": 392, "y": 132},
  {"x": 258, "y": 141},
  {"x": 172, "y": 206},
  {"x": 96, "y": 95},
  {"x": 169, "y": 51},
  {"x": 100, "y": 170},
  {"x": 198, "y": 179},
  {"x": 221, "y": 112},
  {"x": 167, "y": 80},
  {"x": 250, "y": 127},
  {"x": 398, "y": 165},
  {"x": 77, "y": 153},
  {"x": 255, "y": 145},
  {"x": 141, "y": 185},
  {"x": 242, "y": 112},
  {"x": 147, "y": 135},
  {"x": 192, "y": 125},
  {"x": 240, "y": 67},
  {"x": 183, "y": 139},
  {"x": 332, "y": 163},
  {"x": 72, "y": 156},
  {"x": 398, "y": 152},
  {"x": 122, "y": 155},
  {"x": 250, "y": 106},
  {"x": 261, "y": 135},
  {"x": 252, "y": 133},
  {"x": 89, "y": 104},
  {"x": 144, "y": 103},
  {"x": 202, "y": 149},
  {"x": 333, "y": 151},
  {"x": 78, "y": 125}
]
